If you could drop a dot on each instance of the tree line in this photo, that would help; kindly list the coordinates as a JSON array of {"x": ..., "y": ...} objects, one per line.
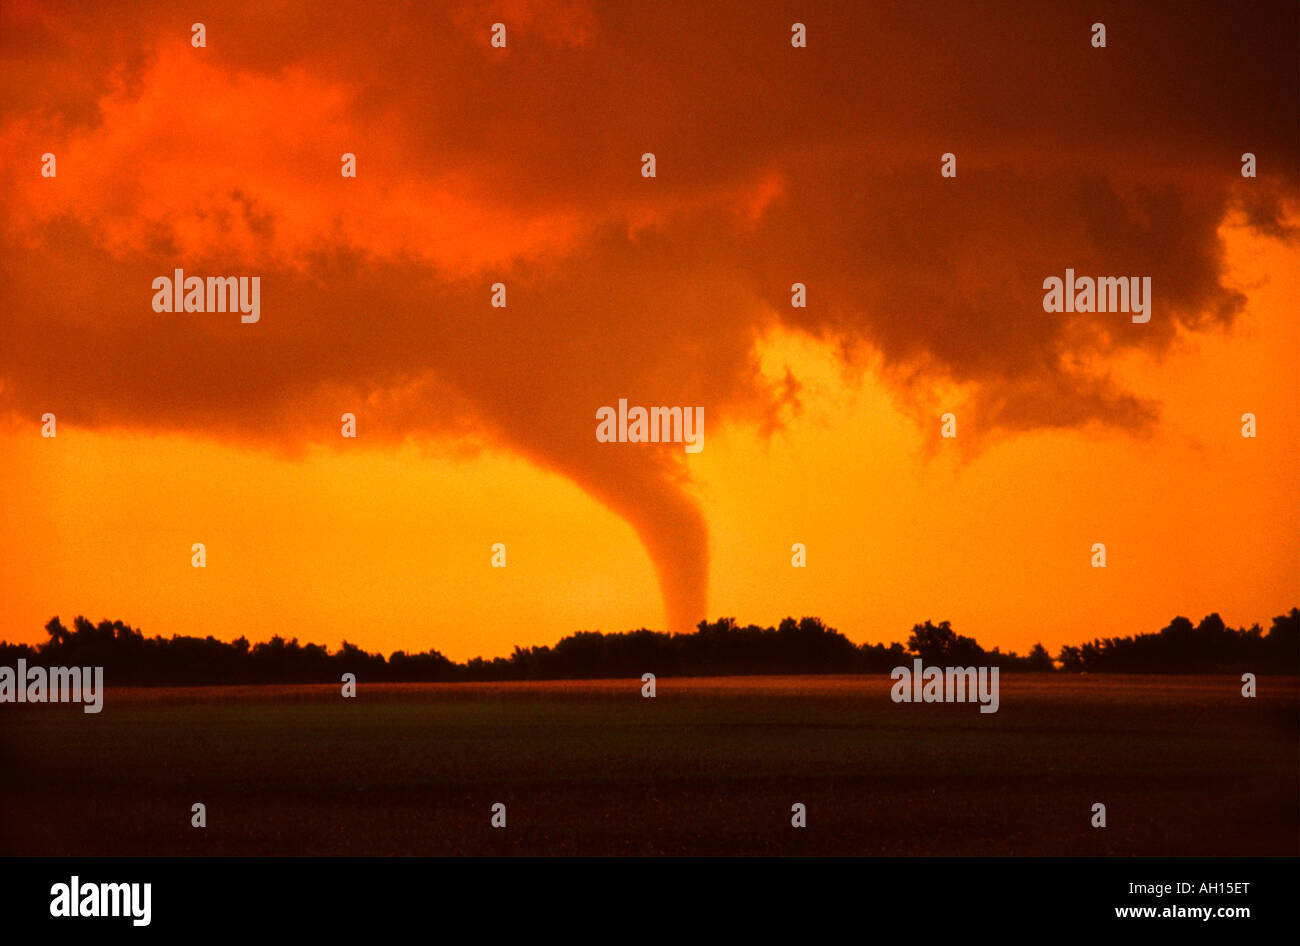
[{"x": 719, "y": 648}]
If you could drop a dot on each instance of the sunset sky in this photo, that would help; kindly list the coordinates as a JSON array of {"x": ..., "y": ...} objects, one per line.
[{"x": 522, "y": 165}]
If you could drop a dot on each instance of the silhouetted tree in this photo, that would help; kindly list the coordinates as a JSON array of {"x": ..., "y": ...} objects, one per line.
[
  {"x": 941, "y": 644},
  {"x": 1039, "y": 659},
  {"x": 806, "y": 645}
]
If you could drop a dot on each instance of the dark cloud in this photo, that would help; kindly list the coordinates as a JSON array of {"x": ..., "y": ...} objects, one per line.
[{"x": 776, "y": 165}]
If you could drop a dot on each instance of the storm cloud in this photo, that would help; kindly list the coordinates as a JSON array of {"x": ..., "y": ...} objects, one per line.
[{"x": 522, "y": 165}]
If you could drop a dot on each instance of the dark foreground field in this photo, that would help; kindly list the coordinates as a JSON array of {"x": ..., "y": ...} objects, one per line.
[{"x": 1184, "y": 765}]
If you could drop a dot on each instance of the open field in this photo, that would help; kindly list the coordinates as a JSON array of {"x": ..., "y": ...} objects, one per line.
[{"x": 1185, "y": 766}]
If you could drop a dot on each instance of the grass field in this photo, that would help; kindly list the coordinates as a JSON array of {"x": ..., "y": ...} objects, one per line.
[{"x": 1185, "y": 766}]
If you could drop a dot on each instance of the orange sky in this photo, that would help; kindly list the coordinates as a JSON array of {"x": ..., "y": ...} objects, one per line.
[{"x": 477, "y": 424}]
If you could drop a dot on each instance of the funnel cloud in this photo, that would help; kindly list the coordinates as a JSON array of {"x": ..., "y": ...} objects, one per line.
[{"x": 522, "y": 165}]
